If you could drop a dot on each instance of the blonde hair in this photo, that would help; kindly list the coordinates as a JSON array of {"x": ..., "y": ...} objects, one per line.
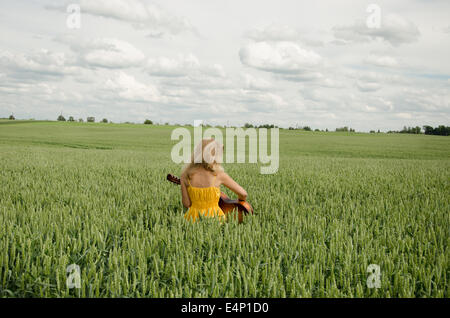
[{"x": 205, "y": 156}]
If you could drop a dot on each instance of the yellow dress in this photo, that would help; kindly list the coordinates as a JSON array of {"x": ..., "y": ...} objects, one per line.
[{"x": 204, "y": 202}]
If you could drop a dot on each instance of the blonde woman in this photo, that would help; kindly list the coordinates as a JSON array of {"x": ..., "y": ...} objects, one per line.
[{"x": 201, "y": 180}]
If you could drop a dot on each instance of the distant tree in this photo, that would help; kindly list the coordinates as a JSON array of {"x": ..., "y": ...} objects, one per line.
[
  {"x": 372, "y": 131},
  {"x": 248, "y": 125},
  {"x": 428, "y": 130},
  {"x": 307, "y": 128},
  {"x": 11, "y": 117},
  {"x": 167, "y": 124},
  {"x": 317, "y": 129},
  {"x": 80, "y": 120},
  {"x": 411, "y": 130},
  {"x": 268, "y": 126},
  {"x": 345, "y": 129},
  {"x": 71, "y": 118},
  {"x": 90, "y": 119},
  {"x": 326, "y": 130},
  {"x": 378, "y": 131},
  {"x": 61, "y": 118},
  {"x": 104, "y": 120},
  {"x": 352, "y": 130},
  {"x": 148, "y": 122},
  {"x": 441, "y": 130}
]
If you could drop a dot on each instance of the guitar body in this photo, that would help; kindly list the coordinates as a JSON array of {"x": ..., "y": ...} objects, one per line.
[
  {"x": 225, "y": 203},
  {"x": 229, "y": 205}
]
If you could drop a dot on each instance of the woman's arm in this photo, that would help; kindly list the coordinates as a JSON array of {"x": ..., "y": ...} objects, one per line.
[
  {"x": 184, "y": 194},
  {"x": 233, "y": 186}
]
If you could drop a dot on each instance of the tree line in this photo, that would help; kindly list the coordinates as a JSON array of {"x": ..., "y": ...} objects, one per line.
[
  {"x": 91, "y": 119},
  {"x": 339, "y": 129},
  {"x": 440, "y": 130}
]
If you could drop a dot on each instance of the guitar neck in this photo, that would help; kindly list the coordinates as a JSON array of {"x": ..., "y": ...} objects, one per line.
[{"x": 173, "y": 179}]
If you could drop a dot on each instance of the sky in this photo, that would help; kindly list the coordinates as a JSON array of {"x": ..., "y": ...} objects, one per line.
[{"x": 324, "y": 64}]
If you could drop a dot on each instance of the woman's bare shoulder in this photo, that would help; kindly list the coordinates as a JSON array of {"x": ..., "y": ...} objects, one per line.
[
  {"x": 185, "y": 176},
  {"x": 221, "y": 175}
]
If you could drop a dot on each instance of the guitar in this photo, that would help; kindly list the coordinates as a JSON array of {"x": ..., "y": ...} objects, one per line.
[{"x": 225, "y": 203}]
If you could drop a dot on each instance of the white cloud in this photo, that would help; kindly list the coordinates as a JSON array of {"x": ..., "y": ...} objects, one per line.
[
  {"x": 313, "y": 94},
  {"x": 425, "y": 99},
  {"x": 199, "y": 81},
  {"x": 179, "y": 66},
  {"x": 142, "y": 15},
  {"x": 261, "y": 101},
  {"x": 376, "y": 76},
  {"x": 273, "y": 33},
  {"x": 279, "y": 57},
  {"x": 394, "y": 29},
  {"x": 49, "y": 93},
  {"x": 330, "y": 83},
  {"x": 40, "y": 63},
  {"x": 281, "y": 32},
  {"x": 109, "y": 53},
  {"x": 375, "y": 104},
  {"x": 403, "y": 115},
  {"x": 368, "y": 81},
  {"x": 384, "y": 104},
  {"x": 215, "y": 70},
  {"x": 255, "y": 83},
  {"x": 368, "y": 86},
  {"x": 103, "y": 52},
  {"x": 128, "y": 88},
  {"x": 306, "y": 76},
  {"x": 184, "y": 65},
  {"x": 381, "y": 60}
]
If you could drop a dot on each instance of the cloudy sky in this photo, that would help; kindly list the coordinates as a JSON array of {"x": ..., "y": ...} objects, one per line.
[{"x": 320, "y": 63}]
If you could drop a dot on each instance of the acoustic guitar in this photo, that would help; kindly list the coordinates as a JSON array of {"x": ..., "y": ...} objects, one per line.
[{"x": 225, "y": 203}]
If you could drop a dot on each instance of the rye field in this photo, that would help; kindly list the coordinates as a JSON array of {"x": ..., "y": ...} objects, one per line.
[{"x": 95, "y": 195}]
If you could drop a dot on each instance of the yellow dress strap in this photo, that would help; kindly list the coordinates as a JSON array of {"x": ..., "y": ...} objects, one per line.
[{"x": 214, "y": 181}]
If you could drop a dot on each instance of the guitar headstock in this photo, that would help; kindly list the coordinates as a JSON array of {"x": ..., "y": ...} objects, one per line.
[{"x": 173, "y": 179}]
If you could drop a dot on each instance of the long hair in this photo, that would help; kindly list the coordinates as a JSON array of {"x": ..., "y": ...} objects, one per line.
[{"x": 207, "y": 155}]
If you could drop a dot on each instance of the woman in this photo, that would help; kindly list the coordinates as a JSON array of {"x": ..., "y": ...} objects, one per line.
[{"x": 201, "y": 180}]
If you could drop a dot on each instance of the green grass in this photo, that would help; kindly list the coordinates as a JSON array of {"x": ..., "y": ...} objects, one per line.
[{"x": 96, "y": 195}]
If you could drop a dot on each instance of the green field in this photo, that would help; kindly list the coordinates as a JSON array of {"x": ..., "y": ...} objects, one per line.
[{"x": 95, "y": 195}]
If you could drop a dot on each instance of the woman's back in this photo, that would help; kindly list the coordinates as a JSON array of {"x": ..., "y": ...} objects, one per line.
[
  {"x": 202, "y": 178},
  {"x": 204, "y": 193}
]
